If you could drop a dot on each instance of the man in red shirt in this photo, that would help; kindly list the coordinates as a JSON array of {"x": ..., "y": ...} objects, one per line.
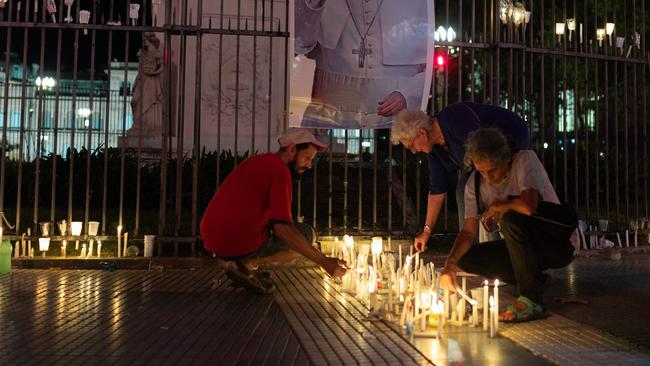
[{"x": 248, "y": 222}]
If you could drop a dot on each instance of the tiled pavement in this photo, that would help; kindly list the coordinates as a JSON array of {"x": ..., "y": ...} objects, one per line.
[{"x": 192, "y": 317}]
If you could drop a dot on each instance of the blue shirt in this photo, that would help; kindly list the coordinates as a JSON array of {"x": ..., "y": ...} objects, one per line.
[{"x": 456, "y": 122}]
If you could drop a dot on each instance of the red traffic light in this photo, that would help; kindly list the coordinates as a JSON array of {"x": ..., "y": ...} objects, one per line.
[{"x": 440, "y": 61}]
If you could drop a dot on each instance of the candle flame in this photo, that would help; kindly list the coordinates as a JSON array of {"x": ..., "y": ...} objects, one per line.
[{"x": 496, "y": 283}]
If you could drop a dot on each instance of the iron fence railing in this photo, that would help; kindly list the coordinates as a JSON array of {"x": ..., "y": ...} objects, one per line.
[{"x": 225, "y": 87}]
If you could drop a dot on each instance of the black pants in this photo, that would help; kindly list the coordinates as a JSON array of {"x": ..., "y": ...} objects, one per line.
[{"x": 530, "y": 246}]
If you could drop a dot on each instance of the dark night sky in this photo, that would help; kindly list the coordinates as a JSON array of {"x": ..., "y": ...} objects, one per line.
[{"x": 35, "y": 38}]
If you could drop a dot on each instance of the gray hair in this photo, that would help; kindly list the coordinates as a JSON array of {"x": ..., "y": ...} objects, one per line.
[
  {"x": 487, "y": 144},
  {"x": 407, "y": 124}
]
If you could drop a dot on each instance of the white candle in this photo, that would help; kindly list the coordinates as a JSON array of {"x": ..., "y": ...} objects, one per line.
[
  {"x": 119, "y": 241},
  {"x": 496, "y": 305},
  {"x": 17, "y": 249},
  {"x": 462, "y": 303},
  {"x": 63, "y": 244},
  {"x": 23, "y": 253},
  {"x": 400, "y": 256},
  {"x": 636, "y": 232},
  {"x": 618, "y": 238},
  {"x": 126, "y": 243},
  {"x": 486, "y": 293},
  {"x": 83, "y": 251},
  {"x": 90, "y": 248},
  {"x": 29, "y": 243},
  {"x": 440, "y": 310},
  {"x": 99, "y": 248},
  {"x": 492, "y": 322},
  {"x": 627, "y": 238},
  {"x": 580, "y": 32},
  {"x": 475, "y": 313}
]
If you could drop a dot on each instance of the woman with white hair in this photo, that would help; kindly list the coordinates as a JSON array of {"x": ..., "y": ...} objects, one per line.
[
  {"x": 510, "y": 191},
  {"x": 442, "y": 137}
]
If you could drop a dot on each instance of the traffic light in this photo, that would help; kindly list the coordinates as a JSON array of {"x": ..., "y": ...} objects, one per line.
[{"x": 440, "y": 61}]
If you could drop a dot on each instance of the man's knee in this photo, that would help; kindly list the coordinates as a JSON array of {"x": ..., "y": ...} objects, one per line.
[
  {"x": 307, "y": 231},
  {"x": 512, "y": 222}
]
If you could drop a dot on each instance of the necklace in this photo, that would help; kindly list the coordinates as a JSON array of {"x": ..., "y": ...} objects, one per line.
[{"x": 362, "y": 51}]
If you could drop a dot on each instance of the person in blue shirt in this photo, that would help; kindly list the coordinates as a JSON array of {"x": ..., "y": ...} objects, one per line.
[{"x": 443, "y": 137}]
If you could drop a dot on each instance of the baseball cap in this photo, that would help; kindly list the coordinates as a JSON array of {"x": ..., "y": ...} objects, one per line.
[{"x": 300, "y": 136}]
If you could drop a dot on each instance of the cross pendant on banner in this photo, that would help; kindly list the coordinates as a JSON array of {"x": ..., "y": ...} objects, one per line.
[{"x": 362, "y": 51}]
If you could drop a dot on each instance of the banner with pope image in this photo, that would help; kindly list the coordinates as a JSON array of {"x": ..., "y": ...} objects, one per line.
[{"x": 356, "y": 64}]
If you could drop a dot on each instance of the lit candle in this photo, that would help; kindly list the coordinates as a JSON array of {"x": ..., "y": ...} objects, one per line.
[
  {"x": 63, "y": 244},
  {"x": 126, "y": 243},
  {"x": 90, "y": 248},
  {"x": 486, "y": 293},
  {"x": 119, "y": 241},
  {"x": 496, "y": 305},
  {"x": 83, "y": 251},
  {"x": 23, "y": 253},
  {"x": 491, "y": 317},
  {"x": 17, "y": 249},
  {"x": 99, "y": 248}
]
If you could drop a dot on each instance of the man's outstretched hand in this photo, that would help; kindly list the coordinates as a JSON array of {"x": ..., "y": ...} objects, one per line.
[{"x": 334, "y": 267}]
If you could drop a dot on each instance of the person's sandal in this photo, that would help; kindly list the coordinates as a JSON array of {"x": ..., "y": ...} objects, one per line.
[
  {"x": 242, "y": 276},
  {"x": 532, "y": 311}
]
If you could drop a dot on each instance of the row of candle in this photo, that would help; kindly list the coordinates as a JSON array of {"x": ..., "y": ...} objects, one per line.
[
  {"x": 409, "y": 289},
  {"x": 23, "y": 248}
]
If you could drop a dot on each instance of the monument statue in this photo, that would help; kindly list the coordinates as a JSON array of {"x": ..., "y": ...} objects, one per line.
[{"x": 147, "y": 96}]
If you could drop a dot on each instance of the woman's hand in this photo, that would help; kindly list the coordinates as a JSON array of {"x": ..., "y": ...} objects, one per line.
[{"x": 448, "y": 276}]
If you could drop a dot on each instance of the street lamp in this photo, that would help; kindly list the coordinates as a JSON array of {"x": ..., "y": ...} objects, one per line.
[
  {"x": 84, "y": 113},
  {"x": 559, "y": 30},
  {"x": 46, "y": 83},
  {"x": 600, "y": 36}
]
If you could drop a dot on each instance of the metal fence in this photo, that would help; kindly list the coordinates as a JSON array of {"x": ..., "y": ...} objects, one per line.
[{"x": 225, "y": 87}]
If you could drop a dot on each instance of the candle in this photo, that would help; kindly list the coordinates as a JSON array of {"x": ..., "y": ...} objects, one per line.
[
  {"x": 99, "y": 248},
  {"x": 461, "y": 313},
  {"x": 400, "y": 256},
  {"x": 492, "y": 317},
  {"x": 636, "y": 232},
  {"x": 496, "y": 305},
  {"x": 90, "y": 248},
  {"x": 618, "y": 238},
  {"x": 126, "y": 243},
  {"x": 474, "y": 313},
  {"x": 627, "y": 238},
  {"x": 23, "y": 253},
  {"x": 119, "y": 241},
  {"x": 486, "y": 293},
  {"x": 83, "y": 251},
  {"x": 580, "y": 32},
  {"x": 17, "y": 249},
  {"x": 63, "y": 244},
  {"x": 440, "y": 310}
]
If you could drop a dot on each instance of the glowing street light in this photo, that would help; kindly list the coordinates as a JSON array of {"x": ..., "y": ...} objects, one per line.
[
  {"x": 559, "y": 30},
  {"x": 85, "y": 113},
  {"x": 47, "y": 82}
]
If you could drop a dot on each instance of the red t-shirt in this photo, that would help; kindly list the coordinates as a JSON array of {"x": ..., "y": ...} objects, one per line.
[{"x": 256, "y": 193}]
